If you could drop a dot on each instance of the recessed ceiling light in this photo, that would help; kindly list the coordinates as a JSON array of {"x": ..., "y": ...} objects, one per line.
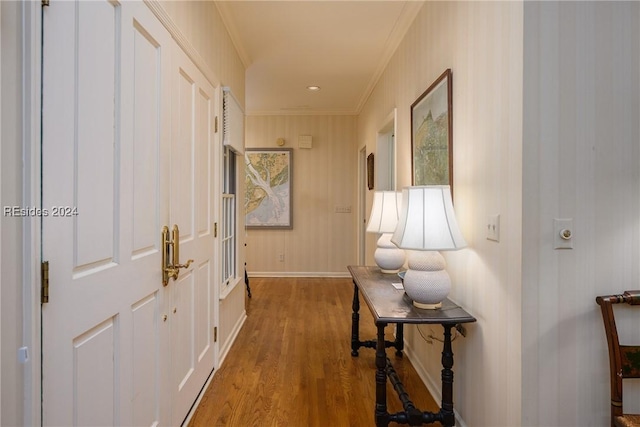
[{"x": 313, "y": 88}]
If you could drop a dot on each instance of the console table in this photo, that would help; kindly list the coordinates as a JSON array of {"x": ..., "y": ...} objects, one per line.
[{"x": 390, "y": 305}]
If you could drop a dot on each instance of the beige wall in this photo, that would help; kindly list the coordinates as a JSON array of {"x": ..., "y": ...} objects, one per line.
[
  {"x": 482, "y": 44},
  {"x": 322, "y": 242},
  {"x": 581, "y": 161},
  {"x": 546, "y": 125},
  {"x": 202, "y": 26}
]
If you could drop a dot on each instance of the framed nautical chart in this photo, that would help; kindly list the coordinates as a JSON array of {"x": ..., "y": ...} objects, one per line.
[
  {"x": 431, "y": 134},
  {"x": 268, "y": 179}
]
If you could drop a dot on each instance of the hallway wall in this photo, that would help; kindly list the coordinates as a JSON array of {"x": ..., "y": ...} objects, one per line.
[
  {"x": 581, "y": 161},
  {"x": 482, "y": 44},
  {"x": 546, "y": 125},
  {"x": 322, "y": 241}
]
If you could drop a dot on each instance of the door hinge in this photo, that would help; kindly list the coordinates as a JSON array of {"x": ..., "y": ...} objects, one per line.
[
  {"x": 45, "y": 3},
  {"x": 215, "y": 125},
  {"x": 44, "y": 292},
  {"x": 215, "y": 229},
  {"x": 215, "y": 334}
]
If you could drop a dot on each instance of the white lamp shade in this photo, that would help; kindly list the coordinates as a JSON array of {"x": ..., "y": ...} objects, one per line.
[
  {"x": 427, "y": 220},
  {"x": 384, "y": 212}
]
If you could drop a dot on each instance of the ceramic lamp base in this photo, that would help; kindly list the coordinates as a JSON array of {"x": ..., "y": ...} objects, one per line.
[
  {"x": 426, "y": 281},
  {"x": 388, "y": 257}
]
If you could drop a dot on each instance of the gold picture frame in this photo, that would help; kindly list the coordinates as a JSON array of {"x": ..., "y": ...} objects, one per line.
[{"x": 432, "y": 134}]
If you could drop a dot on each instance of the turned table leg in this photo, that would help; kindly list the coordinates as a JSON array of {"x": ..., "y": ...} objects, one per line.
[
  {"x": 447, "y": 379},
  {"x": 381, "y": 414},
  {"x": 355, "y": 322}
]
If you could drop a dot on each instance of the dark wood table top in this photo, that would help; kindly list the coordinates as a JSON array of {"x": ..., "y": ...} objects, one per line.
[{"x": 391, "y": 305}]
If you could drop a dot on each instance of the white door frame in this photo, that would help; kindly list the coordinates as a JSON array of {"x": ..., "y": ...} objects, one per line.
[
  {"x": 362, "y": 206},
  {"x": 386, "y": 170},
  {"x": 31, "y": 66}
]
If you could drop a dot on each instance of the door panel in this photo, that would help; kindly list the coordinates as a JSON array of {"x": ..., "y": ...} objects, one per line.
[
  {"x": 182, "y": 155},
  {"x": 203, "y": 325},
  {"x": 95, "y": 141},
  {"x": 147, "y": 131},
  {"x": 95, "y": 375},
  {"x": 145, "y": 360}
]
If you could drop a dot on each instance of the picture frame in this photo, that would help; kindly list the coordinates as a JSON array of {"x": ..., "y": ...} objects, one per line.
[
  {"x": 432, "y": 134},
  {"x": 268, "y": 184},
  {"x": 370, "y": 171}
]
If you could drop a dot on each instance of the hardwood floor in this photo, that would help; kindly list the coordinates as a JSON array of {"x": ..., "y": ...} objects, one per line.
[{"x": 291, "y": 364}]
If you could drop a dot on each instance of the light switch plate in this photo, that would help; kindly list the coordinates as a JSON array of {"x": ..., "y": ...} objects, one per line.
[{"x": 493, "y": 227}]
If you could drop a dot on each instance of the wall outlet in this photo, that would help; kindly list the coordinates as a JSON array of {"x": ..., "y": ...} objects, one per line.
[
  {"x": 343, "y": 209},
  {"x": 281, "y": 257}
]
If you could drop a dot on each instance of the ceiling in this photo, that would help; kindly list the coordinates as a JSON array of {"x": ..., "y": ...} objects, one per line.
[{"x": 340, "y": 46}]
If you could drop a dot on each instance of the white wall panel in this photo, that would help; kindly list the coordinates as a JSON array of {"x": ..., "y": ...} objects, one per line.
[{"x": 582, "y": 161}]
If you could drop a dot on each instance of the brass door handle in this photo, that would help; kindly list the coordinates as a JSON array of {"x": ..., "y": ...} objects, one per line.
[
  {"x": 176, "y": 249},
  {"x": 171, "y": 261}
]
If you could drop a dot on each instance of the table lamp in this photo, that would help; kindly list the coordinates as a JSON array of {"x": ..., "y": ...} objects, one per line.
[
  {"x": 427, "y": 224},
  {"x": 384, "y": 218}
]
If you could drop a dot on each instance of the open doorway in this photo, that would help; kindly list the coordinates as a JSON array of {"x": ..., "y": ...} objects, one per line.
[{"x": 386, "y": 154}]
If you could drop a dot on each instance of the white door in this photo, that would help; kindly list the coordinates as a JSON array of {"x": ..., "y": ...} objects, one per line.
[
  {"x": 112, "y": 345},
  {"x": 192, "y": 150}
]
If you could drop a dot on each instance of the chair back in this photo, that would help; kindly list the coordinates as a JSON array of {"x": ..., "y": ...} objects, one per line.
[{"x": 624, "y": 360}]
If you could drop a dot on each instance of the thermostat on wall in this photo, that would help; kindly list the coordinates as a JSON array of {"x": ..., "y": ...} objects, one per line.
[{"x": 305, "y": 141}]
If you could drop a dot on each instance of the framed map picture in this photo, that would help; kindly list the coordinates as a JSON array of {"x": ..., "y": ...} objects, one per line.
[
  {"x": 431, "y": 134},
  {"x": 268, "y": 188}
]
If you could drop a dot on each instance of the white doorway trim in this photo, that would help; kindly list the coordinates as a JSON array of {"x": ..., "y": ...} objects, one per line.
[
  {"x": 31, "y": 66},
  {"x": 386, "y": 170},
  {"x": 362, "y": 205}
]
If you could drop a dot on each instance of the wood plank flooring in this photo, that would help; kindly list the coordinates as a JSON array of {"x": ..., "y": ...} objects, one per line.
[{"x": 291, "y": 364}]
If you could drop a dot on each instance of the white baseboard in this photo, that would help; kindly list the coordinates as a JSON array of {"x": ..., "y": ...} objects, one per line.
[
  {"x": 339, "y": 274},
  {"x": 224, "y": 348},
  {"x": 433, "y": 385}
]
